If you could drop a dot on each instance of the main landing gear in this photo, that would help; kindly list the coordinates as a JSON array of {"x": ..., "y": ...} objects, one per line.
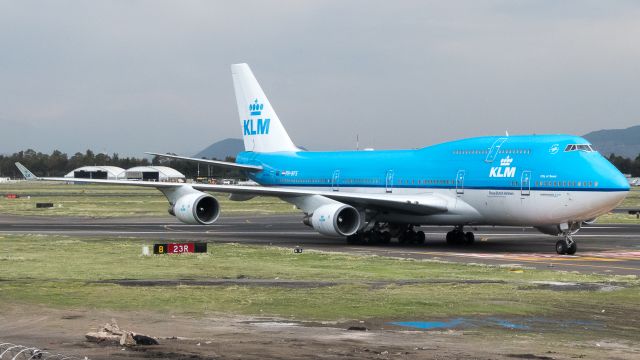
[
  {"x": 566, "y": 246},
  {"x": 381, "y": 234},
  {"x": 458, "y": 236}
]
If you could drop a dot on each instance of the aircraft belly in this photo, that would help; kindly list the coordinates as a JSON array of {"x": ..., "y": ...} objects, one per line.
[{"x": 504, "y": 207}]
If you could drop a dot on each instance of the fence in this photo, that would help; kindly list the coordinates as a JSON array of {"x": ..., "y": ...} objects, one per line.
[{"x": 11, "y": 351}]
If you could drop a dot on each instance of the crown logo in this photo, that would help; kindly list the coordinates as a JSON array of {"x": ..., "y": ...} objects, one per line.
[
  {"x": 506, "y": 161},
  {"x": 255, "y": 108}
]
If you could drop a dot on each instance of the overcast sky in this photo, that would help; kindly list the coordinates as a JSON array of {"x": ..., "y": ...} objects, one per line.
[{"x": 134, "y": 76}]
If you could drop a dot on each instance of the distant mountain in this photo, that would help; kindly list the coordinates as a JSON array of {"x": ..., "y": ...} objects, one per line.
[
  {"x": 221, "y": 149},
  {"x": 622, "y": 142}
]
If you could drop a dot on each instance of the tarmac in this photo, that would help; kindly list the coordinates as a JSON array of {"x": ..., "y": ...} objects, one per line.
[{"x": 607, "y": 249}]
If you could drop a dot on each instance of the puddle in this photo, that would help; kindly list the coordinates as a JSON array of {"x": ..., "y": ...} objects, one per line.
[
  {"x": 523, "y": 324},
  {"x": 274, "y": 324},
  {"x": 428, "y": 325},
  {"x": 460, "y": 323}
]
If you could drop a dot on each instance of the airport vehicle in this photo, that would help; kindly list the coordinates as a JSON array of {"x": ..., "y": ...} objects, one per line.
[{"x": 555, "y": 183}]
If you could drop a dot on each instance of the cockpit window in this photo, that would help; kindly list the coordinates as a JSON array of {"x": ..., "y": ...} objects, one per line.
[{"x": 579, "y": 147}]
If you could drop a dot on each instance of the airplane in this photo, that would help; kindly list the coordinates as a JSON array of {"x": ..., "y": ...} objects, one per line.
[{"x": 555, "y": 183}]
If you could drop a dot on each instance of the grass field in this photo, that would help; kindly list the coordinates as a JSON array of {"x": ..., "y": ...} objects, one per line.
[
  {"x": 104, "y": 201},
  {"x": 61, "y": 272}
]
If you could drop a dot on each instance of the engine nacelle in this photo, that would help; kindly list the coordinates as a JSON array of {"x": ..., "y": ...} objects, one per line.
[
  {"x": 336, "y": 220},
  {"x": 196, "y": 208}
]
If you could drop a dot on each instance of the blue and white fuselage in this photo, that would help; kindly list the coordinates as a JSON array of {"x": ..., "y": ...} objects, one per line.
[{"x": 539, "y": 180}]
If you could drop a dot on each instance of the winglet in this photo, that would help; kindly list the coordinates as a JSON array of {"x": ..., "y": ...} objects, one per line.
[{"x": 28, "y": 175}]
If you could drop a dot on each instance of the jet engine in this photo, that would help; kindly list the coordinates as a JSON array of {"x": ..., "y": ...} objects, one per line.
[
  {"x": 335, "y": 220},
  {"x": 196, "y": 208}
]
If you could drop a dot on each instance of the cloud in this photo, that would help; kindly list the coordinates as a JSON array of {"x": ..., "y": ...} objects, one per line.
[{"x": 131, "y": 76}]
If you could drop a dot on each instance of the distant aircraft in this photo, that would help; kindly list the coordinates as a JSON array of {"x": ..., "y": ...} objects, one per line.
[{"x": 555, "y": 183}]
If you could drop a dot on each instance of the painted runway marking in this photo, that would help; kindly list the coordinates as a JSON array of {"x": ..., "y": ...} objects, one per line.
[
  {"x": 588, "y": 256},
  {"x": 172, "y": 232}
]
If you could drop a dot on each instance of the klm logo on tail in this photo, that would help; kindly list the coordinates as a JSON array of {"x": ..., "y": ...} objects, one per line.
[{"x": 256, "y": 125}]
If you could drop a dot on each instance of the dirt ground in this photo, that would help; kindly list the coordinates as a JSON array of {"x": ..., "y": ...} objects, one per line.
[{"x": 241, "y": 337}]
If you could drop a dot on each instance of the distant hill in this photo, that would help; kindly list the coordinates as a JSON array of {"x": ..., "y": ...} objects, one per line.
[
  {"x": 622, "y": 142},
  {"x": 221, "y": 149}
]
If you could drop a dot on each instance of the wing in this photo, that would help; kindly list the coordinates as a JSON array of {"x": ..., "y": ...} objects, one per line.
[{"x": 424, "y": 204}]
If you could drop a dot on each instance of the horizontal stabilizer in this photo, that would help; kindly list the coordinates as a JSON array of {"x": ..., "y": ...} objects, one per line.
[{"x": 211, "y": 162}]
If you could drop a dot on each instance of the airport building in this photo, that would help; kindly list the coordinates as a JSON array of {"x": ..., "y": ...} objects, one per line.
[
  {"x": 97, "y": 172},
  {"x": 154, "y": 173}
]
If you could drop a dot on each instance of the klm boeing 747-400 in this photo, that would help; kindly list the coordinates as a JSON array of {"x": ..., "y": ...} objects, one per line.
[{"x": 555, "y": 183}]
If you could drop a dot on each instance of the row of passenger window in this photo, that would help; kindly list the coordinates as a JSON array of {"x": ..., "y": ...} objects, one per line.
[
  {"x": 366, "y": 181},
  {"x": 425, "y": 182},
  {"x": 433, "y": 182},
  {"x": 304, "y": 181},
  {"x": 486, "y": 151},
  {"x": 515, "y": 151},
  {"x": 567, "y": 183}
]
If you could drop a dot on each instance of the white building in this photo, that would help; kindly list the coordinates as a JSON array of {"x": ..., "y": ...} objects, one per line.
[
  {"x": 97, "y": 172},
  {"x": 154, "y": 173}
]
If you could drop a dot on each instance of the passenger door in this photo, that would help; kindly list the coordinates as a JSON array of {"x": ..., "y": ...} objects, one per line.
[
  {"x": 525, "y": 183},
  {"x": 335, "y": 181},
  {"x": 460, "y": 182}
]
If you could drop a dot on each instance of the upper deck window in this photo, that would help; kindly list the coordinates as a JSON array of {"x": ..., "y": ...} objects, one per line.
[{"x": 579, "y": 147}]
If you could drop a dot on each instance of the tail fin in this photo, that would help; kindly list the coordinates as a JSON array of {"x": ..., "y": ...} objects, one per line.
[
  {"x": 261, "y": 129},
  {"x": 28, "y": 175}
]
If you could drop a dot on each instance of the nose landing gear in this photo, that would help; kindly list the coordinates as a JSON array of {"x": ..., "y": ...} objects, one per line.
[{"x": 566, "y": 246}]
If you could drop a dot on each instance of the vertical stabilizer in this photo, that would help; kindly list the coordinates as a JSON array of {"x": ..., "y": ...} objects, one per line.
[{"x": 261, "y": 129}]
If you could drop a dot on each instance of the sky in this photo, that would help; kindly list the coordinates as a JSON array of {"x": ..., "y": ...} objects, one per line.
[{"x": 132, "y": 76}]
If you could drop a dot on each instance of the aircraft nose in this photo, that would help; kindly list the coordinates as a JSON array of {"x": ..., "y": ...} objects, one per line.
[{"x": 610, "y": 176}]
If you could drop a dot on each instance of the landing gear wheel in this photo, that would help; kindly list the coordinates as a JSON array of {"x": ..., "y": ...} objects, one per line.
[
  {"x": 420, "y": 237},
  {"x": 374, "y": 237},
  {"x": 353, "y": 239},
  {"x": 450, "y": 237},
  {"x": 410, "y": 237},
  {"x": 386, "y": 237},
  {"x": 561, "y": 247},
  {"x": 571, "y": 250},
  {"x": 469, "y": 238}
]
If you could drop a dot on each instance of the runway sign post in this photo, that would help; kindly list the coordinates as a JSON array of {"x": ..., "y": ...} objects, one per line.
[{"x": 179, "y": 248}]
